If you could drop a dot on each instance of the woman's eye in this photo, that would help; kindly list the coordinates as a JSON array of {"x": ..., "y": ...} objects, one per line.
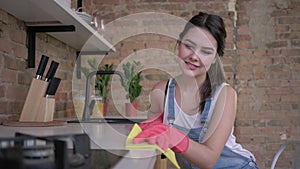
[
  {"x": 188, "y": 46},
  {"x": 206, "y": 52}
]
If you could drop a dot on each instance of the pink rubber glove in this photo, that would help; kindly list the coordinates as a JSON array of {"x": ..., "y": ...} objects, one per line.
[
  {"x": 165, "y": 137},
  {"x": 154, "y": 120}
]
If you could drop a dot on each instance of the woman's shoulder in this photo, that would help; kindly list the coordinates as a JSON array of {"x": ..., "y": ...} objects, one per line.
[
  {"x": 157, "y": 96},
  {"x": 160, "y": 85},
  {"x": 225, "y": 88},
  {"x": 227, "y": 92},
  {"x": 229, "y": 88}
]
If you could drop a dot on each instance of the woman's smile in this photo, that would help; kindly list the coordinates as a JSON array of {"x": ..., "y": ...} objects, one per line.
[
  {"x": 191, "y": 66},
  {"x": 197, "y": 50}
]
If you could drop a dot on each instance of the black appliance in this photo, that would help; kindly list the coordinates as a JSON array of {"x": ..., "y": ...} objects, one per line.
[{"x": 48, "y": 152}]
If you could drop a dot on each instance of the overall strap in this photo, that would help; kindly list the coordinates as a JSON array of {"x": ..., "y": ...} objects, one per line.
[
  {"x": 208, "y": 111},
  {"x": 205, "y": 118},
  {"x": 171, "y": 114},
  {"x": 166, "y": 91}
]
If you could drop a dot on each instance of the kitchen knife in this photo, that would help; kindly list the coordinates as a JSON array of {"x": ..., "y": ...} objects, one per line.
[
  {"x": 52, "y": 87},
  {"x": 51, "y": 72},
  {"x": 42, "y": 67}
]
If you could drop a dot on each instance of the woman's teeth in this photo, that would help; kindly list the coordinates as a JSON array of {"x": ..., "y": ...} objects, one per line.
[{"x": 191, "y": 66}]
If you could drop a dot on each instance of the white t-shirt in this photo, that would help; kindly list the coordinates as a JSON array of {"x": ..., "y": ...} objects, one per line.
[{"x": 194, "y": 121}]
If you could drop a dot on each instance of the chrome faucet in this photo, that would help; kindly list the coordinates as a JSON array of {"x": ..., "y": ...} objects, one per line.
[{"x": 88, "y": 107}]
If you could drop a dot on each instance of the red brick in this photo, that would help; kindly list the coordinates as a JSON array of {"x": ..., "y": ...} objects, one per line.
[
  {"x": 20, "y": 51},
  {"x": 70, "y": 114},
  {"x": 5, "y": 46},
  {"x": 14, "y": 107},
  {"x": 292, "y": 35},
  {"x": 288, "y": 20},
  {"x": 3, "y": 107},
  {"x": 18, "y": 36},
  {"x": 290, "y": 98},
  {"x": 278, "y": 91},
  {"x": 1, "y": 59},
  {"x": 279, "y": 13},
  {"x": 202, "y": 5},
  {"x": 217, "y": 5},
  {"x": 243, "y": 45},
  {"x": 290, "y": 52},
  {"x": 277, "y": 44},
  {"x": 280, "y": 122},
  {"x": 243, "y": 29},
  {"x": 24, "y": 79},
  {"x": 259, "y": 53},
  {"x": 273, "y": 52},
  {"x": 59, "y": 114},
  {"x": 61, "y": 96},
  {"x": 179, "y": 0},
  {"x": 259, "y": 68},
  {"x": 70, "y": 105},
  {"x": 244, "y": 52},
  {"x": 278, "y": 75},
  {"x": 16, "y": 92},
  {"x": 294, "y": 83},
  {"x": 282, "y": 28},
  {"x": 173, "y": 7},
  {"x": 295, "y": 43},
  {"x": 243, "y": 123},
  {"x": 2, "y": 91},
  {"x": 9, "y": 76},
  {"x": 11, "y": 63},
  {"x": 61, "y": 105},
  {"x": 294, "y": 28}
]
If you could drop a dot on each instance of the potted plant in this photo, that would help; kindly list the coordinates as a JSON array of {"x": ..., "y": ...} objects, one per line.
[
  {"x": 102, "y": 81},
  {"x": 132, "y": 86},
  {"x": 101, "y": 84}
]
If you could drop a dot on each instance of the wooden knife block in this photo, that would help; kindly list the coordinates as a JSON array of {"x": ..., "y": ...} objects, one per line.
[{"x": 37, "y": 107}]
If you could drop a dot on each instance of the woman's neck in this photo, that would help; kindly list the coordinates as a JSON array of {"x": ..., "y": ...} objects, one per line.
[
  {"x": 188, "y": 83},
  {"x": 187, "y": 93}
]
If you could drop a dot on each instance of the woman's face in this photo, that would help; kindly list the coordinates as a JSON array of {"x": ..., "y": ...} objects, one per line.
[{"x": 197, "y": 51}]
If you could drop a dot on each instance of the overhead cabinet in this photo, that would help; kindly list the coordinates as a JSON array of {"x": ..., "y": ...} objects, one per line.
[{"x": 58, "y": 13}]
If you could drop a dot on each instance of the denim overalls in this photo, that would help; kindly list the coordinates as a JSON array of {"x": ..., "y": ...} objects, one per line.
[{"x": 228, "y": 158}]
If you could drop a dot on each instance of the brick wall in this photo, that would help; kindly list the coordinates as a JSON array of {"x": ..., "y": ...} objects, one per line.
[
  {"x": 268, "y": 77},
  {"x": 261, "y": 62},
  {"x": 113, "y": 13},
  {"x": 15, "y": 77}
]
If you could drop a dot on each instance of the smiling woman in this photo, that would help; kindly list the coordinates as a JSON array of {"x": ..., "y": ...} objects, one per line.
[
  {"x": 198, "y": 106},
  {"x": 193, "y": 48}
]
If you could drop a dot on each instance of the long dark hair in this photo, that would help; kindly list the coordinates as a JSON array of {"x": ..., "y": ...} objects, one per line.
[{"x": 215, "y": 75}]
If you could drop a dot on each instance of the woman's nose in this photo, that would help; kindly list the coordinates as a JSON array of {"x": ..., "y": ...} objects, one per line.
[{"x": 194, "y": 56}]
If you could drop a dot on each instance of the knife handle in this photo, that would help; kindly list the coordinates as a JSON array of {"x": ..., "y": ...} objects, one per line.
[
  {"x": 42, "y": 67},
  {"x": 51, "y": 72},
  {"x": 52, "y": 87}
]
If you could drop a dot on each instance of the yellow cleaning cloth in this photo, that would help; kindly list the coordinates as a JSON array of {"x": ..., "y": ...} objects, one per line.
[{"x": 129, "y": 145}]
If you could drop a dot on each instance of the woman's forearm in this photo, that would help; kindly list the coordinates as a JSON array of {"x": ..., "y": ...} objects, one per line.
[{"x": 201, "y": 155}]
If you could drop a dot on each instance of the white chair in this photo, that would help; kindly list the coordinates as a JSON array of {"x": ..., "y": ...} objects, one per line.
[{"x": 281, "y": 149}]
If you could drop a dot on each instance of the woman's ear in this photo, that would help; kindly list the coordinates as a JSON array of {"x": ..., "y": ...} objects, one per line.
[{"x": 215, "y": 58}]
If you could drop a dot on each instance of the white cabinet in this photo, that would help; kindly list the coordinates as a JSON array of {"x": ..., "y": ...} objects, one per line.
[{"x": 56, "y": 12}]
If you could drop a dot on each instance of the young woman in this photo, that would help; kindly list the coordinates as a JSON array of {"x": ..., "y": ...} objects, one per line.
[{"x": 198, "y": 107}]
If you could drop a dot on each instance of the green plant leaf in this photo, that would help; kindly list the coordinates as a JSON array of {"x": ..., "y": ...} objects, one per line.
[{"x": 132, "y": 80}]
